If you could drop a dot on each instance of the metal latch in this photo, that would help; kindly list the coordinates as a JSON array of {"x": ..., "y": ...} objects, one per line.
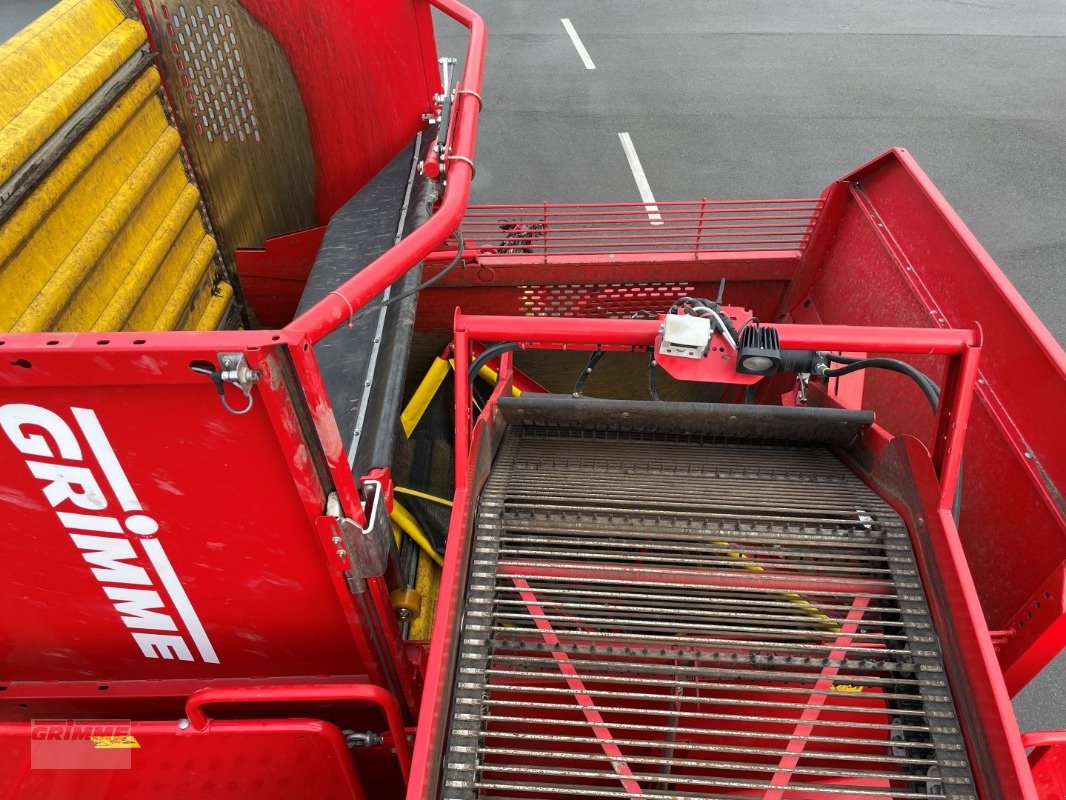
[
  {"x": 365, "y": 547},
  {"x": 233, "y": 369}
]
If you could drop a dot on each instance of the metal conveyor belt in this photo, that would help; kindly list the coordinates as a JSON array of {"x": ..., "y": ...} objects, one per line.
[{"x": 654, "y": 615}]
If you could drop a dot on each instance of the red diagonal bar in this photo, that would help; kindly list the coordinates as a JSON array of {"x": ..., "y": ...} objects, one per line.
[
  {"x": 806, "y": 722},
  {"x": 577, "y": 686}
]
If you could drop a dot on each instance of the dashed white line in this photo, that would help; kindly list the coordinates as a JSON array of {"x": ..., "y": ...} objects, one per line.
[
  {"x": 642, "y": 180},
  {"x": 581, "y": 51}
]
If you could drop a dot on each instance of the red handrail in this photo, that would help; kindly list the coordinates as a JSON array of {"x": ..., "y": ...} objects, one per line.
[
  {"x": 306, "y": 693},
  {"x": 337, "y": 307},
  {"x": 1044, "y": 739}
]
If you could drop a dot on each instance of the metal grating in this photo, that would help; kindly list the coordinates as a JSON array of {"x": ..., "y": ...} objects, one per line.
[
  {"x": 682, "y": 228},
  {"x": 656, "y": 616},
  {"x": 601, "y": 300}
]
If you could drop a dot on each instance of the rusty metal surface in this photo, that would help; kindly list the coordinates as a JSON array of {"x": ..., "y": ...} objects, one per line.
[{"x": 678, "y": 616}]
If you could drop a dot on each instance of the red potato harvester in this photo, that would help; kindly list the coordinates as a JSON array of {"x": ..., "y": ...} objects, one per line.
[{"x": 318, "y": 482}]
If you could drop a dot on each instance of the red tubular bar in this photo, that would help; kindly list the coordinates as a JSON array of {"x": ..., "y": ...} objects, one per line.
[
  {"x": 1043, "y": 739},
  {"x": 642, "y": 332},
  {"x": 963, "y": 344},
  {"x": 335, "y": 308},
  {"x": 307, "y": 693},
  {"x": 667, "y": 204}
]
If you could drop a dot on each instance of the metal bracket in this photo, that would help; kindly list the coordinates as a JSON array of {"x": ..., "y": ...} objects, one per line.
[
  {"x": 366, "y": 548},
  {"x": 233, "y": 369},
  {"x": 356, "y": 739},
  {"x": 446, "y": 65}
]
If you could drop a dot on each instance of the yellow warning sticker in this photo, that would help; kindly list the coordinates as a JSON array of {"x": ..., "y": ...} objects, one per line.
[
  {"x": 846, "y": 687},
  {"x": 115, "y": 742}
]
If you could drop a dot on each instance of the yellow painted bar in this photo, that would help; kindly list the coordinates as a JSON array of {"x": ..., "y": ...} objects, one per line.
[
  {"x": 197, "y": 248},
  {"x": 51, "y": 190},
  {"x": 112, "y": 237},
  {"x": 45, "y": 50},
  {"x": 113, "y": 219},
  {"x": 26, "y": 131},
  {"x": 189, "y": 281},
  {"x": 427, "y": 584},
  {"x": 178, "y": 231},
  {"x": 216, "y": 308}
]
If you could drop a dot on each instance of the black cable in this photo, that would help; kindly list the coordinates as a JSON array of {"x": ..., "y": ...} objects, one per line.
[
  {"x": 490, "y": 353},
  {"x": 932, "y": 393},
  {"x": 424, "y": 285},
  {"x": 714, "y": 305},
  {"x": 838, "y": 359},
  {"x": 586, "y": 373}
]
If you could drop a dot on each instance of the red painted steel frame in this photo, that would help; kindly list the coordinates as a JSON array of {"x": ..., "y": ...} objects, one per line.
[
  {"x": 1047, "y": 759},
  {"x": 641, "y": 333},
  {"x": 134, "y": 380},
  {"x": 250, "y": 563},
  {"x": 886, "y": 226},
  {"x": 964, "y": 349},
  {"x": 331, "y": 693},
  {"x": 338, "y": 306}
]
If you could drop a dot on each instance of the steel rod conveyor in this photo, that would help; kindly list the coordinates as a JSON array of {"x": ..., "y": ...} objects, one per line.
[{"x": 671, "y": 600}]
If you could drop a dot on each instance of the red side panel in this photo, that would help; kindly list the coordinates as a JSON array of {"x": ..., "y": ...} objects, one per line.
[
  {"x": 893, "y": 252},
  {"x": 367, "y": 72},
  {"x": 273, "y": 278},
  {"x": 151, "y": 534}
]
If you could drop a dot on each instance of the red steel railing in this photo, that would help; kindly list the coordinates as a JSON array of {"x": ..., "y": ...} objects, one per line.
[{"x": 677, "y": 228}]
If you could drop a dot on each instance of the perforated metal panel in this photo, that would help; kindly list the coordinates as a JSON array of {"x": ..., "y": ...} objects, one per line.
[
  {"x": 601, "y": 300},
  {"x": 214, "y": 85},
  {"x": 240, "y": 109}
]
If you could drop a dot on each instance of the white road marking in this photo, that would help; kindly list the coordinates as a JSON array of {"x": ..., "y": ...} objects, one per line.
[
  {"x": 642, "y": 180},
  {"x": 581, "y": 51}
]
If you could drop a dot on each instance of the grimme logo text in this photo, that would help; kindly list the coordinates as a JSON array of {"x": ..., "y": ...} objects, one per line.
[{"x": 114, "y": 541}]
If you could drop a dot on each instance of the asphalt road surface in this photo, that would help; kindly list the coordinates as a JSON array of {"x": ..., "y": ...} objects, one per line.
[{"x": 759, "y": 98}]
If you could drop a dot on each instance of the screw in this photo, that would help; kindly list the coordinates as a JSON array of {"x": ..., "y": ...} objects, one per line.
[
  {"x": 183, "y": 723},
  {"x": 342, "y": 553}
]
